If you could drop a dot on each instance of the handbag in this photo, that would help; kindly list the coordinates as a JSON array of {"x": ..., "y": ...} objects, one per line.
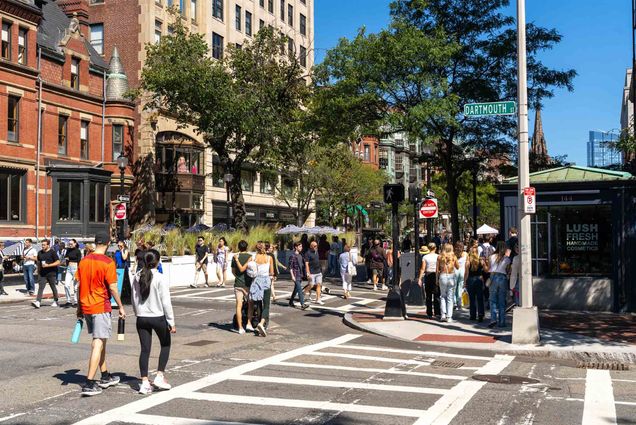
[
  {"x": 352, "y": 270},
  {"x": 252, "y": 268}
]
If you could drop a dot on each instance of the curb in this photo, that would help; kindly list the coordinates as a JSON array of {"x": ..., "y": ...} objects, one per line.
[{"x": 568, "y": 355}]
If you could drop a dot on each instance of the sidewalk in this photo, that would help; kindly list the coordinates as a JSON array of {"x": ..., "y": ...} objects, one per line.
[{"x": 580, "y": 336}]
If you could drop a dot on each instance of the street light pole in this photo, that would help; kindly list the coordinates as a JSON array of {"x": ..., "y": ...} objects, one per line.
[
  {"x": 122, "y": 163},
  {"x": 475, "y": 169},
  {"x": 525, "y": 325}
]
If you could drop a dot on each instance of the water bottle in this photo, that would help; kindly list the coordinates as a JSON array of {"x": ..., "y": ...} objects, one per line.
[
  {"x": 120, "y": 329},
  {"x": 77, "y": 331}
]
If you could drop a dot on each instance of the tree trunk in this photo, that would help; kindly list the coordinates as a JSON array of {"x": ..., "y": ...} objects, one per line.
[{"x": 239, "y": 217}]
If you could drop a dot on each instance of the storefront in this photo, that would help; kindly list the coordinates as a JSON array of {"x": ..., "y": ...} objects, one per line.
[
  {"x": 256, "y": 214},
  {"x": 583, "y": 237}
]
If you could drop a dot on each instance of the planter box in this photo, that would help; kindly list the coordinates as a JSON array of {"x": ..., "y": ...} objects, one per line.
[{"x": 181, "y": 270}]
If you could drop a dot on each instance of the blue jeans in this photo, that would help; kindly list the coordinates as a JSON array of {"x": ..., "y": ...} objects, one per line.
[
  {"x": 447, "y": 294},
  {"x": 298, "y": 289},
  {"x": 498, "y": 291},
  {"x": 459, "y": 286},
  {"x": 333, "y": 265},
  {"x": 29, "y": 279}
]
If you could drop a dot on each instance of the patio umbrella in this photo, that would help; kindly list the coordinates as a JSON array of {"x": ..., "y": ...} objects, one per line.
[
  {"x": 197, "y": 228},
  {"x": 487, "y": 230},
  {"x": 291, "y": 229}
]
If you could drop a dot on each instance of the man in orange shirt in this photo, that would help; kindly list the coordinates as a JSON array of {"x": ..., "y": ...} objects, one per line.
[{"x": 97, "y": 283}]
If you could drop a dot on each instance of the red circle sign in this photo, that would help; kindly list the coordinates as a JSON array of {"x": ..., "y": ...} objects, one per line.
[
  {"x": 120, "y": 212},
  {"x": 429, "y": 208}
]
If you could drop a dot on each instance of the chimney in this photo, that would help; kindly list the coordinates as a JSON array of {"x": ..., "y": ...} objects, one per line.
[{"x": 79, "y": 9}]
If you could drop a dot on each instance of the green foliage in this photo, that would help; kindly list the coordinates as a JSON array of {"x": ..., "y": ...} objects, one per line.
[
  {"x": 180, "y": 246},
  {"x": 416, "y": 75},
  {"x": 190, "y": 242},
  {"x": 241, "y": 105},
  {"x": 170, "y": 240}
]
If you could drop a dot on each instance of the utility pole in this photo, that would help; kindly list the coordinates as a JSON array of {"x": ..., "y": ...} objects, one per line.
[
  {"x": 475, "y": 169},
  {"x": 525, "y": 324}
]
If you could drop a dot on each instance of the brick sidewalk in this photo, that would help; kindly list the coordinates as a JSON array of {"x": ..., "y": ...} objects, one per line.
[{"x": 608, "y": 327}]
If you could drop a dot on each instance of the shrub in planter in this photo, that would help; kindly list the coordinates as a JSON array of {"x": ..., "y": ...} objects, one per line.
[
  {"x": 169, "y": 241},
  {"x": 180, "y": 245},
  {"x": 190, "y": 241}
]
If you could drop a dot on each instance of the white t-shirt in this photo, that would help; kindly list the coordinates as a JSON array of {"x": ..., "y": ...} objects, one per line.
[
  {"x": 498, "y": 267},
  {"x": 29, "y": 252},
  {"x": 462, "y": 261},
  {"x": 431, "y": 262}
]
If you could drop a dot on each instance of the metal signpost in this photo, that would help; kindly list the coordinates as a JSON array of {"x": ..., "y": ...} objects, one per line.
[{"x": 395, "y": 309}]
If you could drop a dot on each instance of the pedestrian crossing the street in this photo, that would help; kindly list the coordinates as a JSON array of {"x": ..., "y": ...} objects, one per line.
[{"x": 336, "y": 378}]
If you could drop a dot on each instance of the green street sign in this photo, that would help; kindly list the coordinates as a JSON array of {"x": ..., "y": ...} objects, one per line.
[{"x": 491, "y": 108}]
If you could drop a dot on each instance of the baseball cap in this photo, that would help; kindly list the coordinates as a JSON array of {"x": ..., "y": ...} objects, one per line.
[{"x": 102, "y": 238}]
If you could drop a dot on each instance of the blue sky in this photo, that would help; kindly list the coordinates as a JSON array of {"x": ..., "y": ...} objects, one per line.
[{"x": 596, "y": 43}]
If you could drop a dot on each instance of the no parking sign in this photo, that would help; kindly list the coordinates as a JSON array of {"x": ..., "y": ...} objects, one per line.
[{"x": 530, "y": 200}]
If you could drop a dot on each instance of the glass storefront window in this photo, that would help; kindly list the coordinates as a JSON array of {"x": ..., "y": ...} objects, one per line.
[
  {"x": 10, "y": 196},
  {"x": 70, "y": 200},
  {"x": 97, "y": 207}
]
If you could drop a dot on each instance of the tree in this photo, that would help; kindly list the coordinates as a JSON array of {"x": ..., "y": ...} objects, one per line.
[
  {"x": 241, "y": 104},
  {"x": 415, "y": 76}
]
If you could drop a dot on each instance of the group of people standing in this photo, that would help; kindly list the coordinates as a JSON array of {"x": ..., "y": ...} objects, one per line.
[{"x": 482, "y": 270}]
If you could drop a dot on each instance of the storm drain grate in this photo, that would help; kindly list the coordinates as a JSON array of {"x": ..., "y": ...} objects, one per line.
[
  {"x": 201, "y": 343},
  {"x": 447, "y": 364},
  {"x": 602, "y": 365},
  {"x": 505, "y": 379}
]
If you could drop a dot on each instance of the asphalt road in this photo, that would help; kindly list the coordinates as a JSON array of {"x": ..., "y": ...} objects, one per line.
[{"x": 310, "y": 369}]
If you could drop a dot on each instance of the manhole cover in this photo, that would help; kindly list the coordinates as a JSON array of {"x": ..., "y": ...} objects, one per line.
[
  {"x": 505, "y": 379},
  {"x": 447, "y": 364},
  {"x": 201, "y": 343}
]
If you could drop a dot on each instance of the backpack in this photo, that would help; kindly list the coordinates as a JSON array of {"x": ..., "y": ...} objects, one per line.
[{"x": 488, "y": 251}]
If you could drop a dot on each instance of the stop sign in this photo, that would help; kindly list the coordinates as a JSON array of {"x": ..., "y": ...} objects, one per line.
[
  {"x": 120, "y": 211},
  {"x": 429, "y": 208}
]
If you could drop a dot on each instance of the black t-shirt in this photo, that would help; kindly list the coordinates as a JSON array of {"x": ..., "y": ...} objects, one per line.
[
  {"x": 313, "y": 259},
  {"x": 510, "y": 244},
  {"x": 49, "y": 257},
  {"x": 73, "y": 255},
  {"x": 201, "y": 251}
]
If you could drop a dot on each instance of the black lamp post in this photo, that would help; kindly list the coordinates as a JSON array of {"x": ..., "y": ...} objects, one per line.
[
  {"x": 122, "y": 163},
  {"x": 228, "y": 178}
]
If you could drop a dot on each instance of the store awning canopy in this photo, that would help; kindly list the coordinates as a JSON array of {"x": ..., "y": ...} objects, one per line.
[{"x": 487, "y": 230}]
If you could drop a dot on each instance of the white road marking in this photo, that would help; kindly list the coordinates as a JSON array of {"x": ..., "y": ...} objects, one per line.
[
  {"x": 599, "y": 398},
  {"x": 625, "y": 403},
  {"x": 195, "y": 294},
  {"x": 144, "y": 419},
  {"x": 372, "y": 358},
  {"x": 15, "y": 415},
  {"x": 449, "y": 405},
  {"x": 340, "y": 384},
  {"x": 306, "y": 404},
  {"x": 421, "y": 353},
  {"x": 391, "y": 371},
  {"x": 564, "y": 398}
]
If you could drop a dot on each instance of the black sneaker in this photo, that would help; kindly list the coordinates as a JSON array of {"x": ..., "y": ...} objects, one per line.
[
  {"x": 325, "y": 290},
  {"x": 108, "y": 381},
  {"x": 90, "y": 389},
  {"x": 492, "y": 324},
  {"x": 304, "y": 306}
]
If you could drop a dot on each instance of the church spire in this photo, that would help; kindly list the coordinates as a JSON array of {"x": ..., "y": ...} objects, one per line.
[{"x": 539, "y": 145}]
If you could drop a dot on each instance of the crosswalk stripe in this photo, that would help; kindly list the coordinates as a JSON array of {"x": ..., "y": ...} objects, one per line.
[
  {"x": 340, "y": 384},
  {"x": 372, "y": 370},
  {"x": 306, "y": 404},
  {"x": 421, "y": 353},
  {"x": 145, "y": 419},
  {"x": 377, "y": 359},
  {"x": 599, "y": 404},
  {"x": 195, "y": 294}
]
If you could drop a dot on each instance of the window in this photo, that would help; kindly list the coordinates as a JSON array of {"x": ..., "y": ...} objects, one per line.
[
  {"x": 62, "y": 133},
  {"x": 218, "y": 174},
  {"x": 269, "y": 181},
  {"x": 303, "y": 56},
  {"x": 289, "y": 186},
  {"x": 158, "y": 30},
  {"x": 97, "y": 203},
  {"x": 118, "y": 140},
  {"x": 247, "y": 180},
  {"x": 10, "y": 196},
  {"x": 291, "y": 48},
  {"x": 75, "y": 76},
  {"x": 384, "y": 158},
  {"x": 170, "y": 30},
  {"x": 84, "y": 140},
  {"x": 303, "y": 24},
  {"x": 367, "y": 153},
  {"x": 399, "y": 167},
  {"x": 69, "y": 200},
  {"x": 13, "y": 118},
  {"x": 282, "y": 10},
  {"x": 248, "y": 23},
  {"x": 262, "y": 3},
  {"x": 6, "y": 40},
  {"x": 217, "y": 9},
  {"x": 290, "y": 15},
  {"x": 217, "y": 46},
  {"x": 193, "y": 10},
  {"x": 261, "y": 24},
  {"x": 270, "y": 6},
  {"x": 303, "y": 1},
  {"x": 238, "y": 18},
  {"x": 239, "y": 46},
  {"x": 97, "y": 38},
  {"x": 22, "y": 46}
]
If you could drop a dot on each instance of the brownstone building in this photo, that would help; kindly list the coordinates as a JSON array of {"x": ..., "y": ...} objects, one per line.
[
  {"x": 366, "y": 149},
  {"x": 64, "y": 122}
]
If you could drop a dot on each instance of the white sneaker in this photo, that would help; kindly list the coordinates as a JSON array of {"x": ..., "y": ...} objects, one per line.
[
  {"x": 161, "y": 383},
  {"x": 443, "y": 319},
  {"x": 384, "y": 287},
  {"x": 449, "y": 320},
  {"x": 145, "y": 388},
  {"x": 35, "y": 304},
  {"x": 320, "y": 302},
  {"x": 241, "y": 331},
  {"x": 249, "y": 327},
  {"x": 261, "y": 330},
  {"x": 54, "y": 304}
]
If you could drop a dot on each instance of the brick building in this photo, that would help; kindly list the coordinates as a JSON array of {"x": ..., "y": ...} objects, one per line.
[
  {"x": 366, "y": 149},
  {"x": 64, "y": 122},
  {"x": 188, "y": 178}
]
